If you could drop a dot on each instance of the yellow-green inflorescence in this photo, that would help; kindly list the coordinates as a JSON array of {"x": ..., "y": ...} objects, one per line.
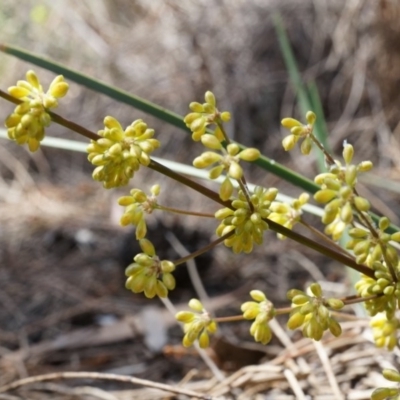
[
  {"x": 246, "y": 221},
  {"x": 338, "y": 193},
  {"x": 385, "y": 331},
  {"x": 138, "y": 204},
  {"x": 149, "y": 274},
  {"x": 26, "y": 125},
  {"x": 262, "y": 311},
  {"x": 203, "y": 116},
  {"x": 382, "y": 291},
  {"x": 311, "y": 312},
  {"x": 288, "y": 215},
  {"x": 386, "y": 393},
  {"x": 228, "y": 161},
  {"x": 299, "y": 131},
  {"x": 198, "y": 324},
  {"x": 119, "y": 153}
]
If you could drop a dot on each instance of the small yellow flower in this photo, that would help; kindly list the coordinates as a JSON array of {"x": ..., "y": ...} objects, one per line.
[
  {"x": 137, "y": 205},
  {"x": 262, "y": 311},
  {"x": 311, "y": 312},
  {"x": 246, "y": 221},
  {"x": 385, "y": 331},
  {"x": 288, "y": 215},
  {"x": 148, "y": 274},
  {"x": 197, "y": 324},
  {"x": 338, "y": 193},
  {"x": 228, "y": 161},
  {"x": 119, "y": 153},
  {"x": 299, "y": 131},
  {"x": 203, "y": 115},
  {"x": 26, "y": 125}
]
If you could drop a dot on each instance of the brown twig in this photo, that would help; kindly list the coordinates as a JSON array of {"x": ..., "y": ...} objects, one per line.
[{"x": 102, "y": 376}]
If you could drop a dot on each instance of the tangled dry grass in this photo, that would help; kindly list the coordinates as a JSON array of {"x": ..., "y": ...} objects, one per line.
[{"x": 63, "y": 306}]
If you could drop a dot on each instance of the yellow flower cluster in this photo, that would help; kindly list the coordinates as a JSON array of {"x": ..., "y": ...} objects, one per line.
[
  {"x": 383, "y": 286},
  {"x": 385, "y": 331},
  {"x": 368, "y": 248},
  {"x": 311, "y": 312},
  {"x": 148, "y": 274},
  {"x": 119, "y": 153},
  {"x": 246, "y": 221},
  {"x": 262, "y": 311},
  {"x": 228, "y": 162},
  {"x": 203, "y": 115},
  {"x": 288, "y": 215},
  {"x": 26, "y": 124},
  {"x": 137, "y": 205},
  {"x": 385, "y": 393},
  {"x": 337, "y": 192},
  {"x": 299, "y": 131},
  {"x": 197, "y": 324}
]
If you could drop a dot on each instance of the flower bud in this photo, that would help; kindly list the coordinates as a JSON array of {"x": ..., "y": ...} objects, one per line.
[
  {"x": 211, "y": 142},
  {"x": 249, "y": 154},
  {"x": 210, "y": 98},
  {"x": 391, "y": 375},
  {"x": 290, "y": 123},
  {"x": 196, "y": 108},
  {"x": 311, "y": 117},
  {"x": 289, "y": 142},
  {"x": 258, "y": 295},
  {"x": 196, "y": 305},
  {"x": 306, "y": 146},
  {"x": 348, "y": 153}
]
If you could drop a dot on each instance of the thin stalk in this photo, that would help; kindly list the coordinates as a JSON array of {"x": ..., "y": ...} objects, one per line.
[
  {"x": 184, "y": 212},
  {"x": 325, "y": 238},
  {"x": 203, "y": 249},
  {"x": 328, "y": 157},
  {"x": 358, "y": 299},
  {"x": 58, "y": 119},
  {"x": 232, "y": 318}
]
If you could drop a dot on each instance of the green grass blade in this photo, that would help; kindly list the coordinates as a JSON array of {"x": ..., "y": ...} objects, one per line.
[
  {"x": 321, "y": 130},
  {"x": 303, "y": 97}
]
